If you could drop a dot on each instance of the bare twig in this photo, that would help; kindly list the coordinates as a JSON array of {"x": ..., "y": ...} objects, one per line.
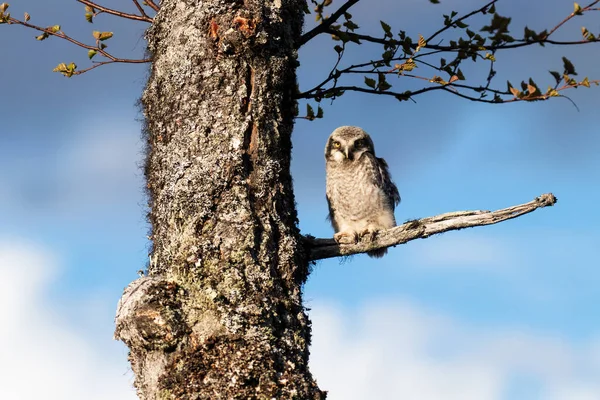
[
  {"x": 423, "y": 228},
  {"x": 121, "y": 14},
  {"x": 152, "y": 5},
  {"x": 324, "y": 26},
  {"x": 116, "y": 60},
  {"x": 140, "y": 8}
]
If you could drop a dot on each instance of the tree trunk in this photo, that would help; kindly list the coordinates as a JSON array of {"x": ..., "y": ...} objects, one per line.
[{"x": 220, "y": 314}]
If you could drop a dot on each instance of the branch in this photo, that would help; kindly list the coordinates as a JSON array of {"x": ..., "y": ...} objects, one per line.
[
  {"x": 152, "y": 5},
  {"x": 326, "y": 23},
  {"x": 140, "y": 8},
  {"x": 472, "y": 48},
  {"x": 423, "y": 228},
  {"x": 60, "y": 34},
  {"x": 121, "y": 14},
  {"x": 482, "y": 10}
]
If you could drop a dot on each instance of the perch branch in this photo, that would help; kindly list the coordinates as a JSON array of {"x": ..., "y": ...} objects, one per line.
[{"x": 423, "y": 228}]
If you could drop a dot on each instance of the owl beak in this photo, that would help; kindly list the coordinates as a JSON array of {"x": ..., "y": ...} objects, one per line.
[{"x": 348, "y": 154}]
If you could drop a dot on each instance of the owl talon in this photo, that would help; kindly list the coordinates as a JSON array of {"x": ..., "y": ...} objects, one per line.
[
  {"x": 345, "y": 237},
  {"x": 369, "y": 234}
]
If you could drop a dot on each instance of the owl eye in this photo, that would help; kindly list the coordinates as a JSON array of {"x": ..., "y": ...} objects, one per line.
[{"x": 337, "y": 145}]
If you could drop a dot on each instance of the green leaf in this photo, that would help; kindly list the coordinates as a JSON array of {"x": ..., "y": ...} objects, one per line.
[
  {"x": 386, "y": 28},
  {"x": 62, "y": 67},
  {"x": 585, "y": 82},
  {"x": 490, "y": 56},
  {"x": 370, "y": 82},
  {"x": 102, "y": 35},
  {"x": 343, "y": 36},
  {"x": 387, "y": 57},
  {"x": 43, "y": 36},
  {"x": 409, "y": 65},
  {"x": 530, "y": 34},
  {"x": 3, "y": 7},
  {"x": 461, "y": 24},
  {"x": 350, "y": 25},
  {"x": 404, "y": 96},
  {"x": 532, "y": 88},
  {"x": 338, "y": 48},
  {"x": 577, "y": 9},
  {"x": 382, "y": 84},
  {"x": 319, "y": 112},
  {"x": 438, "y": 79},
  {"x": 552, "y": 92},
  {"x": 310, "y": 113},
  {"x": 89, "y": 9},
  {"x": 89, "y": 18},
  {"x": 569, "y": 67},
  {"x": 587, "y": 35},
  {"x": 556, "y": 76},
  {"x": 66, "y": 70},
  {"x": 54, "y": 28},
  {"x": 92, "y": 53},
  {"x": 421, "y": 43}
]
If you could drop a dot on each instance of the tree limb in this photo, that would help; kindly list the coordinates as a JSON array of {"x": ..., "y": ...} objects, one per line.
[
  {"x": 326, "y": 23},
  {"x": 152, "y": 5},
  {"x": 420, "y": 229},
  {"x": 117, "y": 13}
]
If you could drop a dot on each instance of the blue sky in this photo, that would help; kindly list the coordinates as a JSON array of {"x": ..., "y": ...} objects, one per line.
[{"x": 500, "y": 312}]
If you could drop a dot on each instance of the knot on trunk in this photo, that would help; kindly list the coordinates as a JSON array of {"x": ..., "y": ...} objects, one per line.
[{"x": 149, "y": 314}]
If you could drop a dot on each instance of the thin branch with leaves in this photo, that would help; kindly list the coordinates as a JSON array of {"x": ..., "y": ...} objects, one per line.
[
  {"x": 489, "y": 43},
  {"x": 99, "y": 47},
  {"x": 101, "y": 9}
]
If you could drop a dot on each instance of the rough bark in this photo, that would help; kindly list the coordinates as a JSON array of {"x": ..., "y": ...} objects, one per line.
[
  {"x": 423, "y": 228},
  {"x": 220, "y": 314}
]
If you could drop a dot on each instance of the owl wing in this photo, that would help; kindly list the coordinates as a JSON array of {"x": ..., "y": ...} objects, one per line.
[
  {"x": 384, "y": 180},
  {"x": 331, "y": 216}
]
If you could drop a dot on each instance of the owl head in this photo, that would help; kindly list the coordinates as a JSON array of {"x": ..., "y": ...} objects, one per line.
[{"x": 347, "y": 144}]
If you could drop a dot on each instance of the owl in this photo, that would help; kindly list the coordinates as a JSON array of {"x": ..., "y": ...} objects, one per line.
[{"x": 360, "y": 192}]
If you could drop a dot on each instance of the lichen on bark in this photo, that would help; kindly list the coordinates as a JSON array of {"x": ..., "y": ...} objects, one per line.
[{"x": 220, "y": 314}]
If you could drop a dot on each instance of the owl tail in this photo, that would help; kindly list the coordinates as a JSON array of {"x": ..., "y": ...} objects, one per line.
[{"x": 377, "y": 253}]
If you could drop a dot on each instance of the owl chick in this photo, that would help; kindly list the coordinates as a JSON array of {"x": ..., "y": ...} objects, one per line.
[{"x": 360, "y": 192}]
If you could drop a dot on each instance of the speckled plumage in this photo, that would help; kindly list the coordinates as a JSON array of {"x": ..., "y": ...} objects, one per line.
[{"x": 360, "y": 192}]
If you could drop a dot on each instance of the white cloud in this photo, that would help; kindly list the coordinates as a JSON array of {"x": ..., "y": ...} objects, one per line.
[
  {"x": 43, "y": 356},
  {"x": 386, "y": 350},
  {"x": 396, "y": 350}
]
